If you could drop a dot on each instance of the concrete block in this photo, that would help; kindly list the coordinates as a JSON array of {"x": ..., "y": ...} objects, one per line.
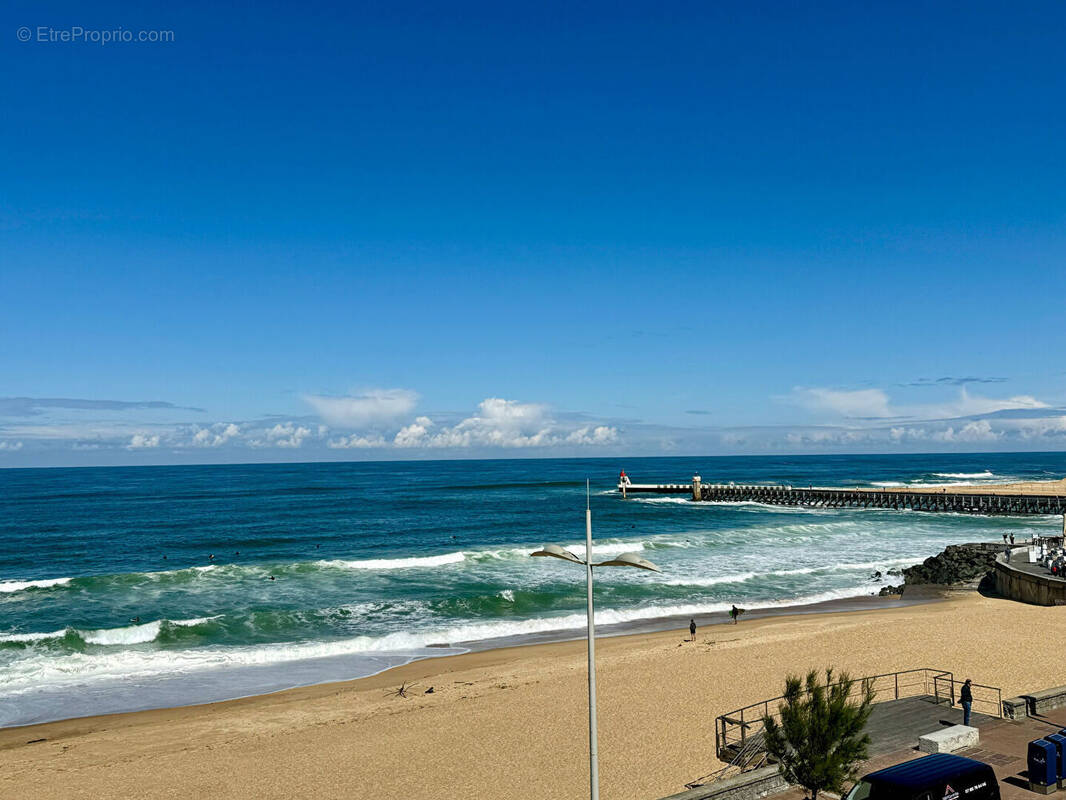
[
  {"x": 948, "y": 740},
  {"x": 752, "y": 785},
  {"x": 1046, "y": 700},
  {"x": 1015, "y": 708}
]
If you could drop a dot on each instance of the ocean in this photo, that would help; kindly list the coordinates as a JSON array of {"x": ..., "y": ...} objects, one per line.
[{"x": 131, "y": 588}]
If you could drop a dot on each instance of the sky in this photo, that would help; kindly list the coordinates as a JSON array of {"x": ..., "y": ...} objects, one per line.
[{"x": 347, "y": 231}]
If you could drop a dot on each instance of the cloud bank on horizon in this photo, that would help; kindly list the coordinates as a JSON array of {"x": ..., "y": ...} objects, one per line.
[{"x": 383, "y": 423}]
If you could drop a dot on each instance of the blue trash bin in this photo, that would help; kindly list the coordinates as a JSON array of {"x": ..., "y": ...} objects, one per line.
[
  {"x": 1043, "y": 766},
  {"x": 1059, "y": 741}
]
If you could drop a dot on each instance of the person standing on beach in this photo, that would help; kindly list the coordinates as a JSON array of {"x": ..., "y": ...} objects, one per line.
[
  {"x": 734, "y": 612},
  {"x": 692, "y": 628},
  {"x": 966, "y": 699}
]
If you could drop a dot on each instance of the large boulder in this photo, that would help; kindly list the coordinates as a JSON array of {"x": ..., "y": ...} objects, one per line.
[{"x": 959, "y": 563}]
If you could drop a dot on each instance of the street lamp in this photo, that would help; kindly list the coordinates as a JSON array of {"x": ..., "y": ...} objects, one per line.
[{"x": 622, "y": 560}]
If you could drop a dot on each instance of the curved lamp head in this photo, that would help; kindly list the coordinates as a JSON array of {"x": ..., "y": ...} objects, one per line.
[
  {"x": 555, "y": 551},
  {"x": 629, "y": 560}
]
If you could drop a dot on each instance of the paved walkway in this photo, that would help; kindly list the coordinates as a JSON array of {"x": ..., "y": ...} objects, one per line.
[
  {"x": 1019, "y": 560},
  {"x": 1003, "y": 746},
  {"x": 897, "y": 724}
]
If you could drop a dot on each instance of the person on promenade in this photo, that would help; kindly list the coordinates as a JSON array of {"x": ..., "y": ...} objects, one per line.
[
  {"x": 1004, "y": 538},
  {"x": 966, "y": 698},
  {"x": 692, "y": 628},
  {"x": 1012, "y": 538}
]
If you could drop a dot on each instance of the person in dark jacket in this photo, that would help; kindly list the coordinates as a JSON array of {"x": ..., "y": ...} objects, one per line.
[
  {"x": 692, "y": 628},
  {"x": 966, "y": 698}
]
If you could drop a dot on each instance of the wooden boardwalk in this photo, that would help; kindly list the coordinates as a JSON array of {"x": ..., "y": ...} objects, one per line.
[{"x": 954, "y": 499}]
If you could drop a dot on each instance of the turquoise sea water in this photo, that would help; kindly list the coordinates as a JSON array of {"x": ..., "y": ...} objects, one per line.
[{"x": 110, "y": 600}]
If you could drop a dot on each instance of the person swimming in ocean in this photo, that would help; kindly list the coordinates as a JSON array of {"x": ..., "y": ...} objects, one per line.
[
  {"x": 135, "y": 620},
  {"x": 271, "y": 577}
]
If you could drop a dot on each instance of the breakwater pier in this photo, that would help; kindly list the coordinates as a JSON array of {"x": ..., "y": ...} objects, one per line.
[{"x": 954, "y": 499}]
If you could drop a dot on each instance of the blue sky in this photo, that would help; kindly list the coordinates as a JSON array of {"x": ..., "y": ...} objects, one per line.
[{"x": 353, "y": 231}]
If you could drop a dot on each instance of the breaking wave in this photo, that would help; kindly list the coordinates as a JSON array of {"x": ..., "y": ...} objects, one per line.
[{"x": 7, "y": 587}]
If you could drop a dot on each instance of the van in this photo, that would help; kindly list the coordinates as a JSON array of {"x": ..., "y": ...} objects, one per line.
[{"x": 935, "y": 777}]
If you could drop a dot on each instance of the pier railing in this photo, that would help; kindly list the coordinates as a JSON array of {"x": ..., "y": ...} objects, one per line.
[
  {"x": 951, "y": 499},
  {"x": 733, "y": 730}
]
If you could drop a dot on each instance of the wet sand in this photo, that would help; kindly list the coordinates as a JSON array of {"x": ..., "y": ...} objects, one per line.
[{"x": 512, "y": 722}]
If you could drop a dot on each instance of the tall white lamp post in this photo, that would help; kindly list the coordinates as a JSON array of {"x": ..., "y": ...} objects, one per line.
[{"x": 622, "y": 560}]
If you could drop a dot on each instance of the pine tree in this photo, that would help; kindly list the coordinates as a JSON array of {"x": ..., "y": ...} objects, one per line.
[{"x": 819, "y": 741}]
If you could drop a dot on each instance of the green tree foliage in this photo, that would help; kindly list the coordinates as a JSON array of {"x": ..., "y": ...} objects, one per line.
[{"x": 819, "y": 740}]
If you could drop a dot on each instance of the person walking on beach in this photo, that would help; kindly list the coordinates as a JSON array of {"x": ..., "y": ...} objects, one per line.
[
  {"x": 734, "y": 612},
  {"x": 966, "y": 699},
  {"x": 692, "y": 628}
]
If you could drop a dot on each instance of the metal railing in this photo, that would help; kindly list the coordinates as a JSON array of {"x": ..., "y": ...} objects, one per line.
[
  {"x": 987, "y": 700},
  {"x": 733, "y": 729}
]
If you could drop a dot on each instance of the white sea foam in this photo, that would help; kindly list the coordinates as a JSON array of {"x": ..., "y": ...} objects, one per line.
[
  {"x": 32, "y": 637},
  {"x": 508, "y": 595},
  {"x": 188, "y": 623},
  {"x": 81, "y": 668},
  {"x": 133, "y": 634},
  {"x": 44, "y": 583},
  {"x": 715, "y": 580},
  {"x": 396, "y": 563},
  {"x": 606, "y": 548},
  {"x": 985, "y": 474}
]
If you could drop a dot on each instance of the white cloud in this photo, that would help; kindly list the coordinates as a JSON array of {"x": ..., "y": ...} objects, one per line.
[
  {"x": 10, "y": 446},
  {"x": 141, "y": 441},
  {"x": 820, "y": 437},
  {"x": 354, "y": 442},
  {"x": 975, "y": 431},
  {"x": 372, "y": 407},
  {"x": 216, "y": 435},
  {"x": 503, "y": 423},
  {"x": 969, "y": 405},
  {"x": 857, "y": 403},
  {"x": 1043, "y": 428},
  {"x": 500, "y": 423},
  {"x": 601, "y": 434},
  {"x": 414, "y": 435},
  {"x": 873, "y": 404},
  {"x": 287, "y": 434}
]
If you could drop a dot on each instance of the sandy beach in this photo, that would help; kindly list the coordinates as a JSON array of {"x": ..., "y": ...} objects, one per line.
[{"x": 512, "y": 722}]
